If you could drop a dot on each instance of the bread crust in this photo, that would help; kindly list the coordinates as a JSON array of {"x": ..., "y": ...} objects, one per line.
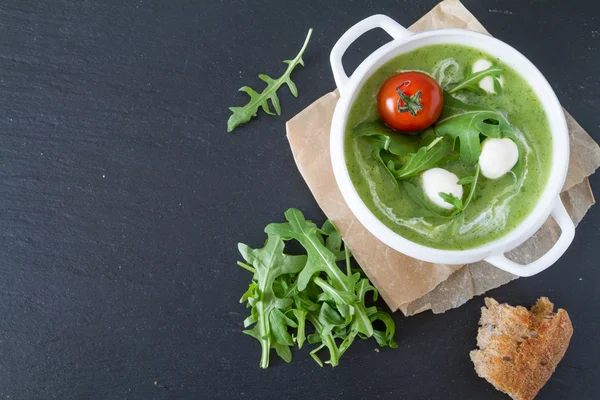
[{"x": 520, "y": 349}]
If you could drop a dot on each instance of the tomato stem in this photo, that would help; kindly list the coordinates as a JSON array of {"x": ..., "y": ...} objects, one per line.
[{"x": 411, "y": 104}]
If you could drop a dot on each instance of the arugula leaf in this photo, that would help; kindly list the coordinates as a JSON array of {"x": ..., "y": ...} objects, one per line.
[
  {"x": 333, "y": 241},
  {"x": 387, "y": 145},
  {"x": 279, "y": 323},
  {"x": 392, "y": 141},
  {"x": 300, "y": 315},
  {"x": 427, "y": 210},
  {"x": 241, "y": 115},
  {"x": 350, "y": 338},
  {"x": 269, "y": 263},
  {"x": 473, "y": 184},
  {"x": 364, "y": 286},
  {"x": 452, "y": 200},
  {"x": 391, "y": 148},
  {"x": 418, "y": 197},
  {"x": 320, "y": 259},
  {"x": 427, "y": 157},
  {"x": 340, "y": 297},
  {"x": 427, "y": 136},
  {"x": 466, "y": 180},
  {"x": 489, "y": 128},
  {"x": 471, "y": 80},
  {"x": 384, "y": 338},
  {"x": 283, "y": 351},
  {"x": 466, "y": 122},
  {"x": 329, "y": 318},
  {"x": 327, "y": 340}
]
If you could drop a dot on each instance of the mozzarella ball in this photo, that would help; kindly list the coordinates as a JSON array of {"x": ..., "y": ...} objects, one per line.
[
  {"x": 436, "y": 180},
  {"x": 498, "y": 156},
  {"x": 486, "y": 83}
]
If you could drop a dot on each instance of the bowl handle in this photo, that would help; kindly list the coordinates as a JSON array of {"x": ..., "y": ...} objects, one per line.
[
  {"x": 567, "y": 233},
  {"x": 394, "y": 29}
]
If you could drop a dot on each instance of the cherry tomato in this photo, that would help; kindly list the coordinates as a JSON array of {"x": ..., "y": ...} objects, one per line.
[{"x": 410, "y": 101}]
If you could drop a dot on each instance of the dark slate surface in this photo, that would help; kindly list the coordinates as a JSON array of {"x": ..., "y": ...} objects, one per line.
[{"x": 123, "y": 198}]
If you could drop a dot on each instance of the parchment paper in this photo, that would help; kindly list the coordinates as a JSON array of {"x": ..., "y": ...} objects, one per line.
[{"x": 406, "y": 284}]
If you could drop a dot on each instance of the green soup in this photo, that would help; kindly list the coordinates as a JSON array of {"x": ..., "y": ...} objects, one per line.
[{"x": 500, "y": 205}]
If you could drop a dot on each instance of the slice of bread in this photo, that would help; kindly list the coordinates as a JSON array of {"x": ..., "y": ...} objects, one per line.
[{"x": 520, "y": 349}]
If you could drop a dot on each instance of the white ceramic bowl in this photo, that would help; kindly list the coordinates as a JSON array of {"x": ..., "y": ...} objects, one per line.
[{"x": 549, "y": 202}]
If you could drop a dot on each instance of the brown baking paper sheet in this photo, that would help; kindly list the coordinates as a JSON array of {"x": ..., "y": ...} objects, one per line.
[{"x": 407, "y": 284}]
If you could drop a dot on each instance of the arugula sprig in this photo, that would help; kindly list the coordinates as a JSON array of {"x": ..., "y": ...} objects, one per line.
[
  {"x": 387, "y": 139},
  {"x": 320, "y": 259},
  {"x": 427, "y": 210},
  {"x": 471, "y": 80},
  {"x": 451, "y": 199},
  {"x": 466, "y": 122},
  {"x": 288, "y": 291},
  {"x": 425, "y": 158},
  {"x": 270, "y": 327},
  {"x": 243, "y": 114}
]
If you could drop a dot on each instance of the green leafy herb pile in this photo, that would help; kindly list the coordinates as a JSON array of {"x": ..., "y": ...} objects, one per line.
[
  {"x": 243, "y": 114},
  {"x": 289, "y": 293}
]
